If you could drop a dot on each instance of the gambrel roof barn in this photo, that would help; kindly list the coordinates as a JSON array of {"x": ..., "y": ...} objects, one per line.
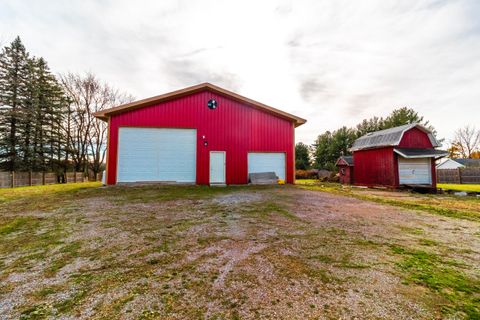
[{"x": 404, "y": 155}]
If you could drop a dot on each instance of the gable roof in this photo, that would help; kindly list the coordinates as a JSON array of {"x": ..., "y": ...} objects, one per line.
[
  {"x": 451, "y": 162},
  {"x": 105, "y": 114},
  {"x": 389, "y": 137},
  {"x": 345, "y": 160}
]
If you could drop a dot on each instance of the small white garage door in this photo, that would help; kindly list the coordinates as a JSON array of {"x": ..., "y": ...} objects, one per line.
[
  {"x": 415, "y": 171},
  {"x": 267, "y": 162},
  {"x": 156, "y": 154}
]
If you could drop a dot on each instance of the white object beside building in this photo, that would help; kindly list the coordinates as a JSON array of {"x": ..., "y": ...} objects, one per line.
[{"x": 448, "y": 163}]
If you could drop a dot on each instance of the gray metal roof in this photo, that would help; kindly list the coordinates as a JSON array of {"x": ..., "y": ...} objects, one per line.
[
  {"x": 347, "y": 159},
  {"x": 389, "y": 137},
  {"x": 420, "y": 153},
  {"x": 468, "y": 162}
]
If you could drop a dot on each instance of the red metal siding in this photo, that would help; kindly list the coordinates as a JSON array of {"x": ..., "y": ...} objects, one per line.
[
  {"x": 232, "y": 127},
  {"x": 395, "y": 169},
  {"x": 434, "y": 174},
  {"x": 375, "y": 167},
  {"x": 346, "y": 174},
  {"x": 415, "y": 138},
  {"x": 379, "y": 167}
]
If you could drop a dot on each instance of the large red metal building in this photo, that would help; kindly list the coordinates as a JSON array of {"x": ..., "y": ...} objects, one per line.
[
  {"x": 201, "y": 134},
  {"x": 400, "y": 156}
]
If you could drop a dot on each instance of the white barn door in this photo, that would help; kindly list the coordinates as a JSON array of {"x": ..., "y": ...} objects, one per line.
[
  {"x": 267, "y": 162},
  {"x": 217, "y": 167},
  {"x": 415, "y": 171},
  {"x": 156, "y": 154}
]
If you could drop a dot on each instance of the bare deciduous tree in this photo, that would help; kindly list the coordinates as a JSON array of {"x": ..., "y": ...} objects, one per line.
[
  {"x": 86, "y": 135},
  {"x": 466, "y": 141},
  {"x": 97, "y": 136}
]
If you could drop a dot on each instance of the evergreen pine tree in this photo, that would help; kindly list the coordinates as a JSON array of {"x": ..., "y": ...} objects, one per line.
[{"x": 13, "y": 77}]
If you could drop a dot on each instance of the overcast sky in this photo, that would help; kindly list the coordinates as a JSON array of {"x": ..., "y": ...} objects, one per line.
[{"x": 331, "y": 62}]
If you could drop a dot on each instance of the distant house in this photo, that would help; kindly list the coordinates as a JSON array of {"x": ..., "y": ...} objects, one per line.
[
  {"x": 448, "y": 163},
  {"x": 395, "y": 157},
  {"x": 469, "y": 163}
]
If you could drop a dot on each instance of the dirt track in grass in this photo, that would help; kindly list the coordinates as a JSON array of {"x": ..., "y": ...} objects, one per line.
[{"x": 238, "y": 252}]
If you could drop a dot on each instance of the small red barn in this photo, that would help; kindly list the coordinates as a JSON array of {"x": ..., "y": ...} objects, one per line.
[
  {"x": 400, "y": 156},
  {"x": 345, "y": 169},
  {"x": 201, "y": 134}
]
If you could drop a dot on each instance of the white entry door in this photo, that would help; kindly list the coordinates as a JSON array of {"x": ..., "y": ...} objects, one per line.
[
  {"x": 217, "y": 167},
  {"x": 267, "y": 162},
  {"x": 157, "y": 154},
  {"x": 414, "y": 171}
]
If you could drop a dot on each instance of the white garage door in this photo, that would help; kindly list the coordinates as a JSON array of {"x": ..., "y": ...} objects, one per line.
[
  {"x": 157, "y": 154},
  {"x": 415, "y": 171},
  {"x": 267, "y": 162}
]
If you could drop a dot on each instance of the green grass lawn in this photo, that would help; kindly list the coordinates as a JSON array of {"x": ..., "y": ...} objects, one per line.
[
  {"x": 47, "y": 190},
  {"x": 459, "y": 187}
]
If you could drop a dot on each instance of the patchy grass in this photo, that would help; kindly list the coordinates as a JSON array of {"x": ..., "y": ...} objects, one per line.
[
  {"x": 417, "y": 231},
  {"x": 155, "y": 193},
  {"x": 445, "y": 205},
  {"x": 66, "y": 254},
  {"x": 459, "y": 187},
  {"x": 144, "y": 252},
  {"x": 428, "y": 242},
  {"x": 41, "y": 311},
  {"x": 460, "y": 293},
  {"x": 46, "y": 291},
  {"x": 25, "y": 234},
  {"x": 13, "y": 225}
]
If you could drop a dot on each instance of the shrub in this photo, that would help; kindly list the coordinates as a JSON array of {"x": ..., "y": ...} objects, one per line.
[
  {"x": 306, "y": 174},
  {"x": 301, "y": 174}
]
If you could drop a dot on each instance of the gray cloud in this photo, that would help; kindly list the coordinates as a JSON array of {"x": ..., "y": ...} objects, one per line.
[
  {"x": 181, "y": 72},
  {"x": 312, "y": 90},
  {"x": 333, "y": 62},
  {"x": 283, "y": 9},
  {"x": 360, "y": 104},
  {"x": 197, "y": 52}
]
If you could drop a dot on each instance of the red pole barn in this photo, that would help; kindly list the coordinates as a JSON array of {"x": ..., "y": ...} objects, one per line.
[
  {"x": 201, "y": 134},
  {"x": 395, "y": 157}
]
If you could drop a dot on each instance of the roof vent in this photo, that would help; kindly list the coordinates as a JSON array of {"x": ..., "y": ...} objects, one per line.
[{"x": 212, "y": 104}]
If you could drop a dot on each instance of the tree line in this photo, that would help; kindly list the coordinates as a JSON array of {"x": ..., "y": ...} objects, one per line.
[
  {"x": 330, "y": 145},
  {"x": 466, "y": 143},
  {"x": 46, "y": 121}
]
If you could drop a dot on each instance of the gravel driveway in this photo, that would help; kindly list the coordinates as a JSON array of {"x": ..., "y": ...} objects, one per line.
[{"x": 237, "y": 252}]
